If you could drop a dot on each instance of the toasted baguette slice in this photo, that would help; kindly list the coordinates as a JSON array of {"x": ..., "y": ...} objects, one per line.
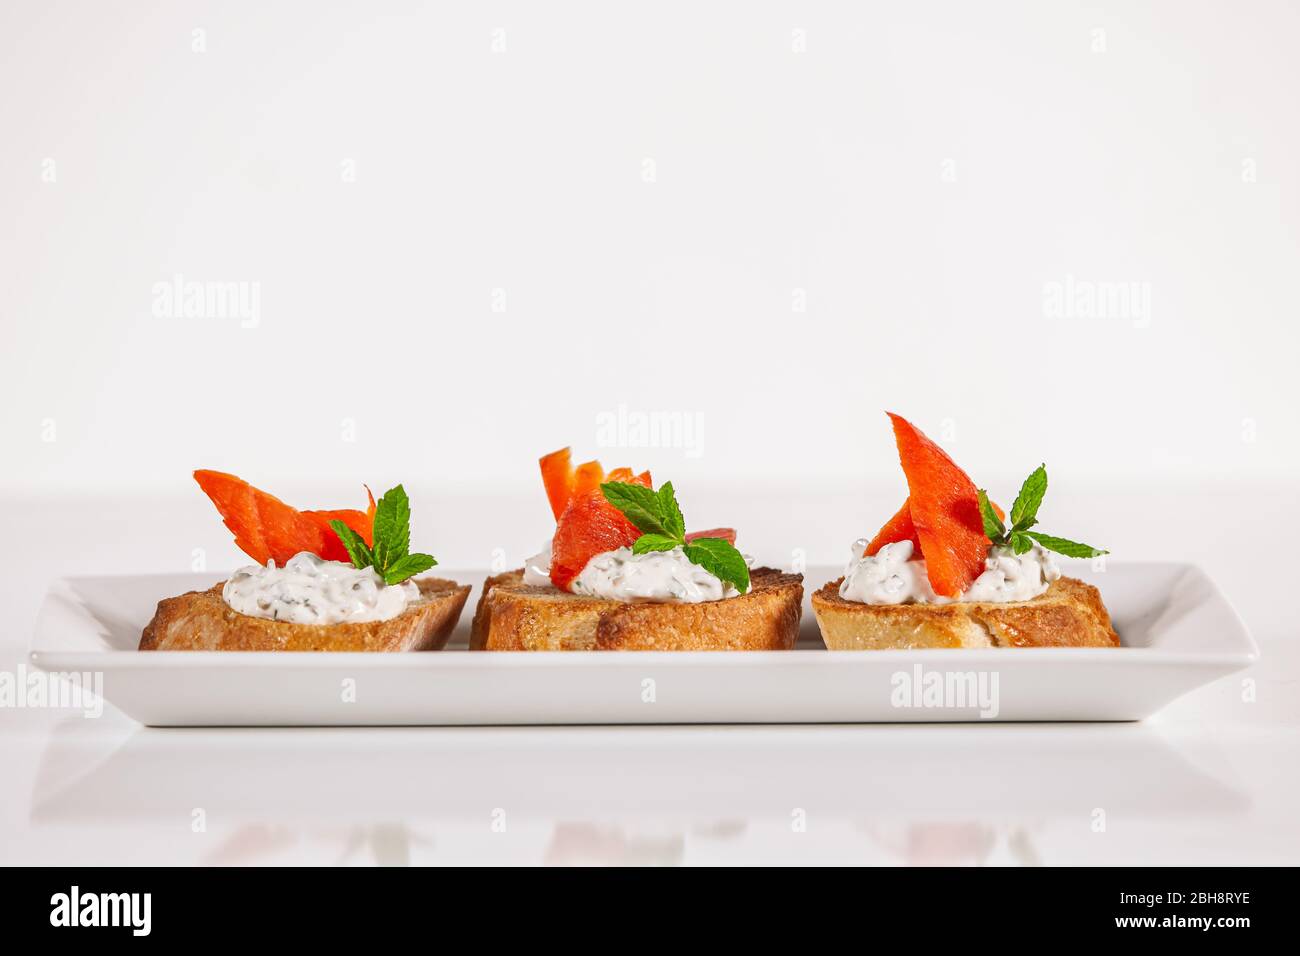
[
  {"x": 1068, "y": 614},
  {"x": 202, "y": 621},
  {"x": 513, "y": 616}
]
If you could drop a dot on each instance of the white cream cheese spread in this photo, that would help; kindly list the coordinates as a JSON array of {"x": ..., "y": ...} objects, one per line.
[
  {"x": 537, "y": 569},
  {"x": 890, "y": 577},
  {"x": 311, "y": 590},
  {"x": 658, "y": 576}
]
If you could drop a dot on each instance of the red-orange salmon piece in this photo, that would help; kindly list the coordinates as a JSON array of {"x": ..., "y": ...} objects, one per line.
[
  {"x": 900, "y": 528},
  {"x": 588, "y": 527},
  {"x": 897, "y": 528},
  {"x": 331, "y": 545},
  {"x": 944, "y": 505},
  {"x": 557, "y": 476},
  {"x": 625, "y": 475},
  {"x": 587, "y": 478},
  {"x": 726, "y": 534},
  {"x": 362, "y": 522},
  {"x": 264, "y": 526}
]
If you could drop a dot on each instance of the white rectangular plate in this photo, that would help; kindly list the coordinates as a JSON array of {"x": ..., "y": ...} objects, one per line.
[{"x": 1178, "y": 631}]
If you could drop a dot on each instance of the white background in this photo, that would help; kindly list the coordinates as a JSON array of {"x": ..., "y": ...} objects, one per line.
[
  {"x": 654, "y": 189},
  {"x": 922, "y": 172}
]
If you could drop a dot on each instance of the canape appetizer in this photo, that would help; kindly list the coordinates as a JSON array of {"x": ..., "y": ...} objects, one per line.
[
  {"x": 622, "y": 573},
  {"x": 951, "y": 569},
  {"x": 323, "y": 581}
]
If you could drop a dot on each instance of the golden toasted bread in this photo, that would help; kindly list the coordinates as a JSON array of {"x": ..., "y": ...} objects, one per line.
[
  {"x": 513, "y": 616},
  {"x": 1068, "y": 614},
  {"x": 202, "y": 621}
]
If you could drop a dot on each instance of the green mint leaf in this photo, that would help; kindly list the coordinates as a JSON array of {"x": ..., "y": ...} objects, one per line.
[
  {"x": 408, "y": 566},
  {"x": 721, "y": 559},
  {"x": 993, "y": 527},
  {"x": 674, "y": 523},
  {"x": 1020, "y": 542},
  {"x": 392, "y": 534},
  {"x": 1024, "y": 513},
  {"x": 1071, "y": 549},
  {"x": 356, "y": 545},
  {"x": 654, "y": 542},
  {"x": 639, "y": 505}
]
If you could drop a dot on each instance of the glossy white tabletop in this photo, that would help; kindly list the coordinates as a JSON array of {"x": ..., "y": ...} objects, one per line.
[{"x": 1214, "y": 778}]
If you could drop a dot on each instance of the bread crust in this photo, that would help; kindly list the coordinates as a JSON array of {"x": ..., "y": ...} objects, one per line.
[
  {"x": 202, "y": 621},
  {"x": 513, "y": 616},
  {"x": 1069, "y": 614}
]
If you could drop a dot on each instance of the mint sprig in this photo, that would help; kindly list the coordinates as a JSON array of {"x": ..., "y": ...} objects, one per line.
[
  {"x": 720, "y": 558},
  {"x": 640, "y": 505},
  {"x": 658, "y": 517},
  {"x": 1071, "y": 549},
  {"x": 1024, "y": 515},
  {"x": 390, "y": 554}
]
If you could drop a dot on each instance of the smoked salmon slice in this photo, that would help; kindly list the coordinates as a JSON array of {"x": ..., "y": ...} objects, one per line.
[
  {"x": 726, "y": 534},
  {"x": 587, "y": 524},
  {"x": 265, "y": 527},
  {"x": 587, "y": 478},
  {"x": 943, "y": 504},
  {"x": 901, "y": 528},
  {"x": 897, "y": 528},
  {"x": 590, "y": 526},
  {"x": 557, "y": 476},
  {"x": 362, "y": 522}
]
